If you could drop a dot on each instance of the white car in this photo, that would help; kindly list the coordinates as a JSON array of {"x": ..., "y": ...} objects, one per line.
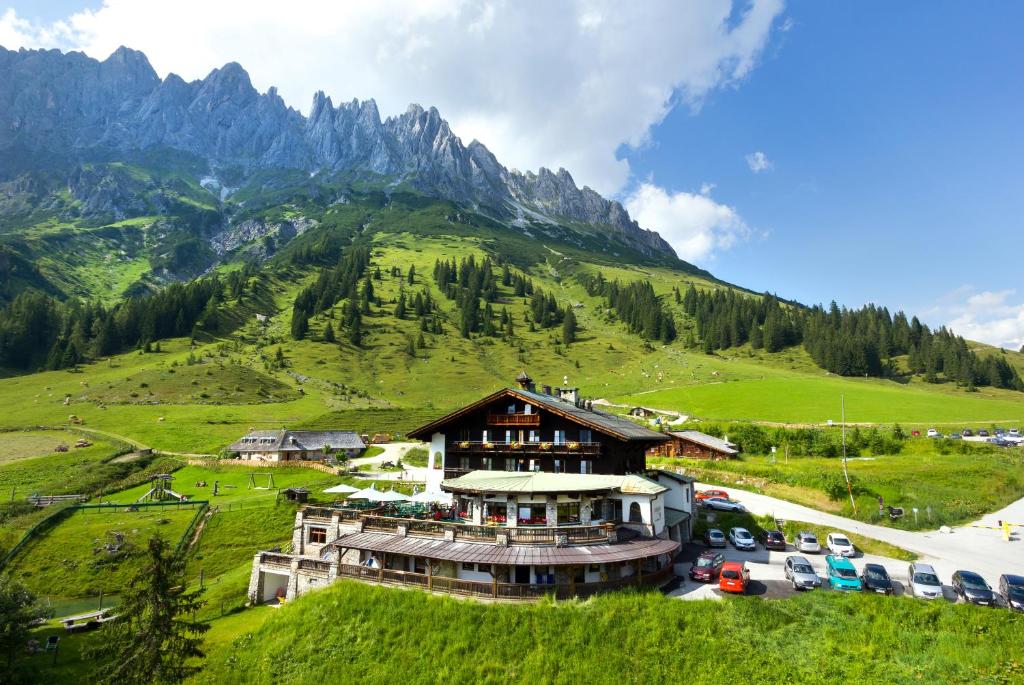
[
  {"x": 840, "y": 545},
  {"x": 723, "y": 504},
  {"x": 806, "y": 542},
  {"x": 932, "y": 433},
  {"x": 924, "y": 583},
  {"x": 742, "y": 539}
]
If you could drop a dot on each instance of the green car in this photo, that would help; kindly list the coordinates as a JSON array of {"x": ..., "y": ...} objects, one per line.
[{"x": 841, "y": 573}]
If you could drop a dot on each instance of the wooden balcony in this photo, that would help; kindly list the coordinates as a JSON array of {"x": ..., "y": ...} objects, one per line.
[
  {"x": 512, "y": 449},
  {"x": 529, "y": 420}
]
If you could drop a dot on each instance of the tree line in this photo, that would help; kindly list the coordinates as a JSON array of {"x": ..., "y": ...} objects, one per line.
[
  {"x": 39, "y": 332},
  {"x": 636, "y": 305},
  {"x": 847, "y": 342}
]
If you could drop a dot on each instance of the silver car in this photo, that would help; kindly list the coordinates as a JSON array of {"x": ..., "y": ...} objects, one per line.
[
  {"x": 807, "y": 542},
  {"x": 800, "y": 572}
]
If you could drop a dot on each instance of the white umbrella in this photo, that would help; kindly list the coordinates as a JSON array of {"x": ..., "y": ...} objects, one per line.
[
  {"x": 427, "y": 497},
  {"x": 370, "y": 493},
  {"x": 392, "y": 496},
  {"x": 341, "y": 489}
]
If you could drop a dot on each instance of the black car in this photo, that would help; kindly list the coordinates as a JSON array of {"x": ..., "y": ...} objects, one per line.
[
  {"x": 983, "y": 433},
  {"x": 966, "y": 432},
  {"x": 707, "y": 566},
  {"x": 876, "y": 579},
  {"x": 773, "y": 539},
  {"x": 1011, "y": 589},
  {"x": 972, "y": 588}
]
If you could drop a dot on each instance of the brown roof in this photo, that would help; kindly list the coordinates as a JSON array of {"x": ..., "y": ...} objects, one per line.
[
  {"x": 487, "y": 553},
  {"x": 621, "y": 428}
]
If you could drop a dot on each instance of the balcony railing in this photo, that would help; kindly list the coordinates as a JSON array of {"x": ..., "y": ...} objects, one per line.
[
  {"x": 526, "y": 448},
  {"x": 271, "y": 559},
  {"x": 513, "y": 420},
  {"x": 496, "y": 590}
]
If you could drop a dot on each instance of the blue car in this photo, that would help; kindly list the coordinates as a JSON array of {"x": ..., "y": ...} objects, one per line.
[{"x": 841, "y": 573}]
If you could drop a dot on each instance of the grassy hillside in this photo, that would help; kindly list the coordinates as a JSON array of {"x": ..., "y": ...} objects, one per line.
[{"x": 643, "y": 637}]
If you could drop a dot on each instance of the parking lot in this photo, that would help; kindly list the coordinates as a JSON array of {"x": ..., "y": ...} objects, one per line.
[{"x": 767, "y": 578}]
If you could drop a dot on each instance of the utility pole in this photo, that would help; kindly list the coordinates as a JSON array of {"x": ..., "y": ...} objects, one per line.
[{"x": 846, "y": 472}]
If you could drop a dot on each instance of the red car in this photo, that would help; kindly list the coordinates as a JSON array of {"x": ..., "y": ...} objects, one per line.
[
  {"x": 702, "y": 495},
  {"x": 707, "y": 567},
  {"x": 734, "y": 577}
]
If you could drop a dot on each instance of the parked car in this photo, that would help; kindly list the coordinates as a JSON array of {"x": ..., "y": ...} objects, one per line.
[
  {"x": 707, "y": 566},
  {"x": 983, "y": 433},
  {"x": 1015, "y": 432},
  {"x": 806, "y": 542},
  {"x": 932, "y": 433},
  {"x": 841, "y": 573},
  {"x": 971, "y": 587},
  {"x": 723, "y": 504},
  {"x": 702, "y": 495},
  {"x": 915, "y": 434},
  {"x": 800, "y": 572},
  {"x": 773, "y": 539},
  {"x": 967, "y": 433},
  {"x": 1011, "y": 589},
  {"x": 734, "y": 577},
  {"x": 924, "y": 583},
  {"x": 714, "y": 538},
  {"x": 742, "y": 539},
  {"x": 840, "y": 545},
  {"x": 876, "y": 579},
  {"x": 954, "y": 436}
]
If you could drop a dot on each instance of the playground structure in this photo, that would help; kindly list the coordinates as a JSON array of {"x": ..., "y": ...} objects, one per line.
[
  {"x": 159, "y": 490},
  {"x": 269, "y": 481}
]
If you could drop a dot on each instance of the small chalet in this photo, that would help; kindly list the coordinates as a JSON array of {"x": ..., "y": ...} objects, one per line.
[
  {"x": 694, "y": 445},
  {"x": 286, "y": 445}
]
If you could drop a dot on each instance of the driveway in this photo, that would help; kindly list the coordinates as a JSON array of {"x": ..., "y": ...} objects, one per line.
[
  {"x": 982, "y": 550},
  {"x": 393, "y": 452}
]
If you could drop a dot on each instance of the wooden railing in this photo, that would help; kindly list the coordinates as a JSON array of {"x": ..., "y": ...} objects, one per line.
[
  {"x": 509, "y": 591},
  {"x": 271, "y": 559},
  {"x": 381, "y": 523},
  {"x": 315, "y": 565},
  {"x": 513, "y": 419},
  {"x": 323, "y": 513},
  {"x": 526, "y": 448}
]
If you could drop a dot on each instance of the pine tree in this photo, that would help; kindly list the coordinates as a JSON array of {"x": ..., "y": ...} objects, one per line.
[
  {"x": 328, "y": 333},
  {"x": 569, "y": 327},
  {"x": 412, "y": 274},
  {"x": 400, "y": 307},
  {"x": 421, "y": 341},
  {"x": 19, "y": 612},
  {"x": 156, "y": 638},
  {"x": 300, "y": 324}
]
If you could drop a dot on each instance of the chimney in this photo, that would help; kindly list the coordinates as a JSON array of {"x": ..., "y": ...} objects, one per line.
[
  {"x": 546, "y": 389},
  {"x": 524, "y": 381},
  {"x": 569, "y": 394}
]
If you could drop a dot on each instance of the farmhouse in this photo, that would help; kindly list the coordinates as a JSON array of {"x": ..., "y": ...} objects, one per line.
[
  {"x": 547, "y": 496},
  {"x": 285, "y": 445},
  {"x": 694, "y": 445}
]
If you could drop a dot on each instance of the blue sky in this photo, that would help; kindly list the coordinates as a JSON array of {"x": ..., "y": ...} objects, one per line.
[
  {"x": 895, "y": 138},
  {"x": 889, "y": 133}
]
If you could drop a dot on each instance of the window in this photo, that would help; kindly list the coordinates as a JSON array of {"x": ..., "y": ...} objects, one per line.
[
  {"x": 512, "y": 408},
  {"x": 510, "y": 464},
  {"x": 560, "y": 437},
  {"x": 534, "y": 436},
  {"x": 466, "y": 566},
  {"x": 486, "y": 436},
  {"x": 488, "y": 463},
  {"x": 585, "y": 435},
  {"x": 508, "y": 437},
  {"x": 586, "y": 466},
  {"x": 464, "y": 463},
  {"x": 616, "y": 510},
  {"x": 528, "y": 409},
  {"x": 318, "y": 536},
  {"x": 568, "y": 512},
  {"x": 634, "y": 513},
  {"x": 463, "y": 434},
  {"x": 558, "y": 465}
]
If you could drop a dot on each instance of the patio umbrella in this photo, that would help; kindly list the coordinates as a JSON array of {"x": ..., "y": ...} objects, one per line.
[
  {"x": 370, "y": 493},
  {"x": 392, "y": 496},
  {"x": 341, "y": 489},
  {"x": 426, "y": 497}
]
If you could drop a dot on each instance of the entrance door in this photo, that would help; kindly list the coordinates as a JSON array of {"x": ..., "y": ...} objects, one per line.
[{"x": 523, "y": 574}]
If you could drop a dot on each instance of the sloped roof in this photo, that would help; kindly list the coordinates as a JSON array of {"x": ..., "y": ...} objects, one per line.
[
  {"x": 487, "y": 553},
  {"x": 611, "y": 424},
  {"x": 674, "y": 516},
  {"x": 299, "y": 441},
  {"x": 540, "y": 482},
  {"x": 709, "y": 441}
]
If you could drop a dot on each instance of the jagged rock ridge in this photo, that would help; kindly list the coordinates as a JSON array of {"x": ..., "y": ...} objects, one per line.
[{"x": 57, "y": 102}]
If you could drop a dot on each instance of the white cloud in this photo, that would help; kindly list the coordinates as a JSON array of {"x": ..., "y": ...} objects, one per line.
[
  {"x": 993, "y": 317},
  {"x": 553, "y": 84},
  {"x": 758, "y": 162},
  {"x": 693, "y": 223}
]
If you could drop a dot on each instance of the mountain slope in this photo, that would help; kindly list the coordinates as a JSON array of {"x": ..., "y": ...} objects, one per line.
[{"x": 69, "y": 106}]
